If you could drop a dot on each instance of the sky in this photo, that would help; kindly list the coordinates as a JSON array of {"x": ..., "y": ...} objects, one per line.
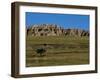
[{"x": 66, "y": 21}]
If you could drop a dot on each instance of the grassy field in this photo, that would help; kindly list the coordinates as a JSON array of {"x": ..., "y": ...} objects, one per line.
[{"x": 60, "y": 50}]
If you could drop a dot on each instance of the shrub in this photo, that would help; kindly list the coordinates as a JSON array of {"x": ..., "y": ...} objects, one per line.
[{"x": 40, "y": 51}]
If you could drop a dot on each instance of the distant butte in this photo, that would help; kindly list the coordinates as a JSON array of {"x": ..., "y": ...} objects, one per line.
[{"x": 54, "y": 30}]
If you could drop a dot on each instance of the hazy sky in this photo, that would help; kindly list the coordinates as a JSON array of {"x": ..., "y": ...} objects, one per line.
[{"x": 63, "y": 20}]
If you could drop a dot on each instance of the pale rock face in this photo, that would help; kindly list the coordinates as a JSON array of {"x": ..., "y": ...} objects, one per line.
[{"x": 54, "y": 30}]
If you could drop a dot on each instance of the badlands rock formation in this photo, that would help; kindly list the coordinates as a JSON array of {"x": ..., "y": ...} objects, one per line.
[{"x": 54, "y": 30}]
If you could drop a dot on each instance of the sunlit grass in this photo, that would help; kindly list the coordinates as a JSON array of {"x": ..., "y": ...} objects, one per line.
[{"x": 60, "y": 50}]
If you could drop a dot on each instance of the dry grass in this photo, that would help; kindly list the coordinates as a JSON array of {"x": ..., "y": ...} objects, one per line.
[{"x": 59, "y": 51}]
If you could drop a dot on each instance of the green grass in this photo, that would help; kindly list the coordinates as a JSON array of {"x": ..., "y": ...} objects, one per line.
[{"x": 60, "y": 50}]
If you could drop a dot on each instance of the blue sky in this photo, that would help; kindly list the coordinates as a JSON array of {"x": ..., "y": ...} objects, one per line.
[{"x": 63, "y": 20}]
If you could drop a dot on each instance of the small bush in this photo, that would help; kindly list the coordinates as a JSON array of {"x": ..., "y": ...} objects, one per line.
[{"x": 40, "y": 51}]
